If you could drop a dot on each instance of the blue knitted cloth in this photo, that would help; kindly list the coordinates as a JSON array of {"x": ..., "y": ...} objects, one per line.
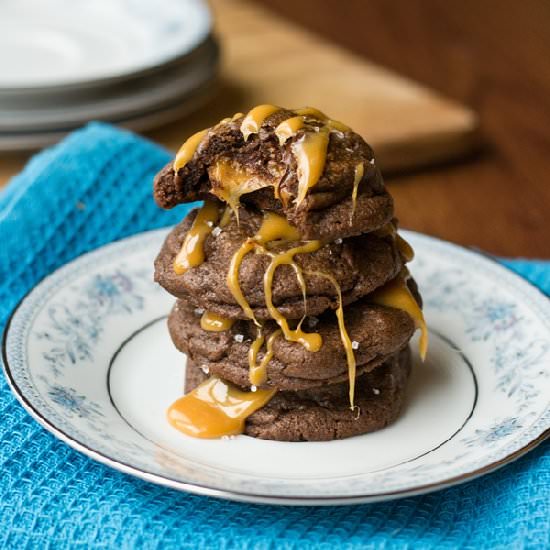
[{"x": 96, "y": 187}]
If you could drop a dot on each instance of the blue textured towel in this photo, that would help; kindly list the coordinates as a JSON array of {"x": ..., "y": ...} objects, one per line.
[{"x": 96, "y": 187}]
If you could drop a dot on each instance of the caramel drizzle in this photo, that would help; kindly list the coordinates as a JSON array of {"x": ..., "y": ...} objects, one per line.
[
  {"x": 213, "y": 322},
  {"x": 344, "y": 336},
  {"x": 215, "y": 408},
  {"x": 311, "y": 341},
  {"x": 258, "y": 373},
  {"x": 188, "y": 149},
  {"x": 289, "y": 128},
  {"x": 233, "y": 277},
  {"x": 191, "y": 253},
  {"x": 403, "y": 246},
  {"x": 273, "y": 228},
  {"x": 319, "y": 115},
  {"x": 254, "y": 119},
  {"x": 230, "y": 118},
  {"x": 233, "y": 182},
  {"x": 226, "y": 217},
  {"x": 310, "y": 153},
  {"x": 396, "y": 294},
  {"x": 358, "y": 176}
]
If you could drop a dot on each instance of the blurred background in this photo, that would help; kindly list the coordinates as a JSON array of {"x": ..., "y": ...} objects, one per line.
[{"x": 453, "y": 96}]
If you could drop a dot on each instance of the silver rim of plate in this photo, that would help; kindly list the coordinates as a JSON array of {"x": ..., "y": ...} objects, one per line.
[{"x": 503, "y": 335}]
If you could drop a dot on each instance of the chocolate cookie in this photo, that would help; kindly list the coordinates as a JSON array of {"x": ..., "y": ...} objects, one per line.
[
  {"x": 270, "y": 173},
  {"x": 379, "y": 332},
  {"x": 359, "y": 265},
  {"x": 323, "y": 414}
]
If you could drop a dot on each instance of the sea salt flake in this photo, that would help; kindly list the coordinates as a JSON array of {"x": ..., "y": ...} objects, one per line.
[
  {"x": 199, "y": 311},
  {"x": 205, "y": 369},
  {"x": 376, "y": 391},
  {"x": 355, "y": 344},
  {"x": 338, "y": 241},
  {"x": 372, "y": 161},
  {"x": 238, "y": 338},
  {"x": 210, "y": 223},
  {"x": 312, "y": 321},
  {"x": 253, "y": 388},
  {"x": 216, "y": 231}
]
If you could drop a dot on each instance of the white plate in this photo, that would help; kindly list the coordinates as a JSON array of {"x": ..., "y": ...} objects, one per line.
[
  {"x": 30, "y": 141},
  {"x": 67, "y": 42},
  {"x": 72, "y": 109},
  {"x": 88, "y": 355}
]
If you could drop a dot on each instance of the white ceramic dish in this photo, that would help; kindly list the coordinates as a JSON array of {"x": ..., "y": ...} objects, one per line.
[
  {"x": 31, "y": 141},
  {"x": 76, "y": 42},
  {"x": 88, "y": 355},
  {"x": 113, "y": 104}
]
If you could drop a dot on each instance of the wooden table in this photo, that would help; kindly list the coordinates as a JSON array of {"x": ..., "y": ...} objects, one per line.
[
  {"x": 496, "y": 200},
  {"x": 492, "y": 55}
]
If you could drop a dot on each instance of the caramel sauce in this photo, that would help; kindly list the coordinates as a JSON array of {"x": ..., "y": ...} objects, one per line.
[
  {"x": 319, "y": 115},
  {"x": 358, "y": 176},
  {"x": 310, "y": 153},
  {"x": 230, "y": 118},
  {"x": 396, "y": 294},
  {"x": 311, "y": 341},
  {"x": 215, "y": 408},
  {"x": 232, "y": 182},
  {"x": 255, "y": 117},
  {"x": 226, "y": 217},
  {"x": 187, "y": 150},
  {"x": 191, "y": 253},
  {"x": 404, "y": 247},
  {"x": 274, "y": 228},
  {"x": 289, "y": 128},
  {"x": 344, "y": 337},
  {"x": 213, "y": 322},
  {"x": 258, "y": 373},
  {"x": 311, "y": 112},
  {"x": 233, "y": 277},
  {"x": 253, "y": 351}
]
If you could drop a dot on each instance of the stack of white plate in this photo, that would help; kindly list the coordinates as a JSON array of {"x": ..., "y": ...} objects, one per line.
[{"x": 138, "y": 63}]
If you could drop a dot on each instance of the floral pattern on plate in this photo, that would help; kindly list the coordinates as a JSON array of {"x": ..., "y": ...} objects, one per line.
[{"x": 66, "y": 335}]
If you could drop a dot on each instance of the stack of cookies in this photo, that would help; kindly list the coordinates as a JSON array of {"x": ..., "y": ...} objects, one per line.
[{"x": 294, "y": 303}]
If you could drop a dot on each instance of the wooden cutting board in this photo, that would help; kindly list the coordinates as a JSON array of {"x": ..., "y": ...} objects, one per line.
[{"x": 267, "y": 59}]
